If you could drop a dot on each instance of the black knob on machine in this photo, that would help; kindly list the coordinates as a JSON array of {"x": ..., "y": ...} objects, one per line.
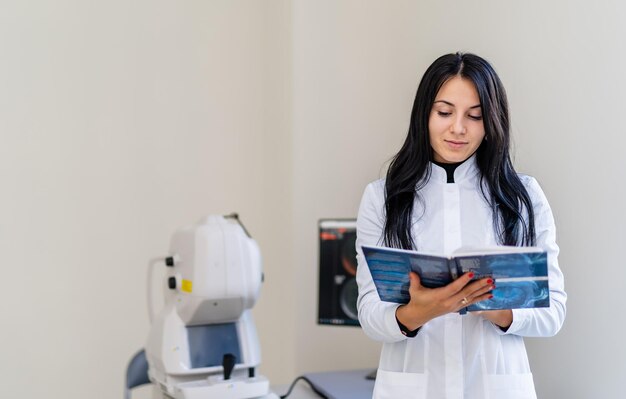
[
  {"x": 171, "y": 283},
  {"x": 228, "y": 362}
]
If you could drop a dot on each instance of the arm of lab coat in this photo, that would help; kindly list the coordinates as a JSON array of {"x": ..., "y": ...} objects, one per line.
[
  {"x": 543, "y": 322},
  {"x": 377, "y": 318}
]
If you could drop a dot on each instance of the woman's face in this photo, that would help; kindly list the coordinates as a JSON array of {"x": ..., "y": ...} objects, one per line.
[{"x": 455, "y": 125}]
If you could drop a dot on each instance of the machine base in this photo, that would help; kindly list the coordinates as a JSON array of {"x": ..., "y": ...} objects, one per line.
[{"x": 217, "y": 388}]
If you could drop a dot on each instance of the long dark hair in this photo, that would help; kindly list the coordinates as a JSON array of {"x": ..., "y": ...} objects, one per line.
[{"x": 409, "y": 170}]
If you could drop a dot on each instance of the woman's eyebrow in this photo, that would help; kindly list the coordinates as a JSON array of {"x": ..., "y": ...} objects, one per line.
[{"x": 452, "y": 105}]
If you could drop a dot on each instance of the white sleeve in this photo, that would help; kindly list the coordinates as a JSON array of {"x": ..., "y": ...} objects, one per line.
[
  {"x": 377, "y": 318},
  {"x": 543, "y": 322}
]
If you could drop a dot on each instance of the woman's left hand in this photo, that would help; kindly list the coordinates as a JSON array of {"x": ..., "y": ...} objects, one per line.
[{"x": 501, "y": 318}]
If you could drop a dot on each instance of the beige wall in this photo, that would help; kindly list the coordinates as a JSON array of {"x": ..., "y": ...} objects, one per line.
[{"x": 123, "y": 120}]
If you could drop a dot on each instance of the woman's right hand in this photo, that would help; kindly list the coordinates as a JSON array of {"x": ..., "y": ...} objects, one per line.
[{"x": 428, "y": 303}]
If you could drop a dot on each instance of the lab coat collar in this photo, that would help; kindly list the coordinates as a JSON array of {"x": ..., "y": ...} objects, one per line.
[{"x": 466, "y": 171}]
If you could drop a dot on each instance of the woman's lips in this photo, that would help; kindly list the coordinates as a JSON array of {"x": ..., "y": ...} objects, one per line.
[{"x": 455, "y": 143}]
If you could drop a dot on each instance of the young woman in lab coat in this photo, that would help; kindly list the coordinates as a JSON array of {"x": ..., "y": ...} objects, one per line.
[{"x": 452, "y": 184}]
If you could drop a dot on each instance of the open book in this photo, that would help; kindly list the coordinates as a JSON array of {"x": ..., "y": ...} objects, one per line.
[{"x": 520, "y": 273}]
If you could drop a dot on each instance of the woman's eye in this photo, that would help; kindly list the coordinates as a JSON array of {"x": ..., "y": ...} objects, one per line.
[
  {"x": 442, "y": 113},
  {"x": 475, "y": 117}
]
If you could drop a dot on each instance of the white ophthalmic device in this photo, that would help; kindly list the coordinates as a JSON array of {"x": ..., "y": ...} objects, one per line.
[{"x": 203, "y": 344}]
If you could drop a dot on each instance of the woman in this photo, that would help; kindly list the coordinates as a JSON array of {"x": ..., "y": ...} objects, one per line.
[{"x": 452, "y": 184}]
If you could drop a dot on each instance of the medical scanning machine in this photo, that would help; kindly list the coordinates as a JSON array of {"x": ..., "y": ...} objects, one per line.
[{"x": 203, "y": 344}]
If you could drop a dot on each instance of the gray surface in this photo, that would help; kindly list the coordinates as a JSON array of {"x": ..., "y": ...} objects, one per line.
[{"x": 347, "y": 384}]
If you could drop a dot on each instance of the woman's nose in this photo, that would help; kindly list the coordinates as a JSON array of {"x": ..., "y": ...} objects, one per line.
[{"x": 458, "y": 127}]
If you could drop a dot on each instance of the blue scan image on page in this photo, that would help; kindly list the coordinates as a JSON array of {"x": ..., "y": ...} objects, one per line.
[
  {"x": 521, "y": 279},
  {"x": 390, "y": 270}
]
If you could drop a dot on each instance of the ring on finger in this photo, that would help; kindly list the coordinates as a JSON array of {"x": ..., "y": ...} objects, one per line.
[{"x": 464, "y": 301}]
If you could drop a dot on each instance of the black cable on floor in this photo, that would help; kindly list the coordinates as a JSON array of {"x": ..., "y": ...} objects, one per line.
[{"x": 293, "y": 384}]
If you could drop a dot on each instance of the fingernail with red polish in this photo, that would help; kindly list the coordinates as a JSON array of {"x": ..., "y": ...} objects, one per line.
[
  {"x": 490, "y": 281},
  {"x": 471, "y": 275},
  {"x": 490, "y": 296}
]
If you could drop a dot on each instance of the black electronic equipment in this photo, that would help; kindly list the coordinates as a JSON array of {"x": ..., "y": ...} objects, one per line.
[{"x": 338, "y": 292}]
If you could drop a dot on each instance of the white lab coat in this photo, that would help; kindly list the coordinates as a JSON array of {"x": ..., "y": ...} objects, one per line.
[{"x": 455, "y": 356}]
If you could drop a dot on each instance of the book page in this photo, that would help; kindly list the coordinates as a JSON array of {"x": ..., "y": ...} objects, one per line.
[{"x": 504, "y": 249}]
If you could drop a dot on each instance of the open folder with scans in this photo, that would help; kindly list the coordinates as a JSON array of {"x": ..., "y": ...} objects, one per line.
[{"x": 520, "y": 273}]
